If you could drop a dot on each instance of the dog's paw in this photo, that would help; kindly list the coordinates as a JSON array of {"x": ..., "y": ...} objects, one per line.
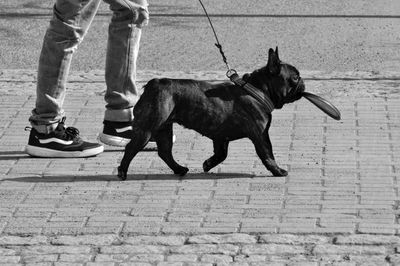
[
  {"x": 279, "y": 172},
  {"x": 181, "y": 171},
  {"x": 206, "y": 166},
  {"x": 122, "y": 174}
]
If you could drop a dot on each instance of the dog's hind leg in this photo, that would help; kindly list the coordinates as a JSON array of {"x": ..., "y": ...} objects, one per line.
[
  {"x": 220, "y": 154},
  {"x": 139, "y": 140},
  {"x": 163, "y": 138}
]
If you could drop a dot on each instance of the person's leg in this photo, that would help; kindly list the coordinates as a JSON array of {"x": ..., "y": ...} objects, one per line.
[
  {"x": 70, "y": 22},
  {"x": 123, "y": 46}
]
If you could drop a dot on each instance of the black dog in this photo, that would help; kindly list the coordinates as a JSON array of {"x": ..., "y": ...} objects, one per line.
[{"x": 221, "y": 112}]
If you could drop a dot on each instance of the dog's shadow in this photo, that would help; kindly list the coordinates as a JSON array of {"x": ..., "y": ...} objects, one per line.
[
  {"x": 131, "y": 177},
  {"x": 14, "y": 155}
]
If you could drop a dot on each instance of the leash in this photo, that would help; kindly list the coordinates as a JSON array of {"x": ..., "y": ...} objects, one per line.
[
  {"x": 234, "y": 77},
  {"x": 218, "y": 45}
]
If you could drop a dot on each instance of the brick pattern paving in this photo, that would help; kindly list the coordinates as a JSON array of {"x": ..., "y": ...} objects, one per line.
[
  {"x": 205, "y": 250},
  {"x": 343, "y": 179}
]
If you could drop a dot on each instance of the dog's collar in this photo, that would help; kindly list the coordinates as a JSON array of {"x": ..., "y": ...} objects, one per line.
[{"x": 253, "y": 91}]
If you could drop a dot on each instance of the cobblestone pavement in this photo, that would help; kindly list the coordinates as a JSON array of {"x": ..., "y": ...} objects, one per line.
[{"x": 338, "y": 206}]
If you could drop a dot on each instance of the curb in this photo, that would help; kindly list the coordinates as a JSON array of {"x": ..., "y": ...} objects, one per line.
[
  {"x": 353, "y": 84},
  {"x": 230, "y": 249},
  {"x": 28, "y": 75}
]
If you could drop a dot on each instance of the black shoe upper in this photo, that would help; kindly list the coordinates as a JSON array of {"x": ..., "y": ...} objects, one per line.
[
  {"x": 110, "y": 128},
  {"x": 62, "y": 139}
]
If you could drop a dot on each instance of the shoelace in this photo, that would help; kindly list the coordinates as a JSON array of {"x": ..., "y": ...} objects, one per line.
[{"x": 69, "y": 133}]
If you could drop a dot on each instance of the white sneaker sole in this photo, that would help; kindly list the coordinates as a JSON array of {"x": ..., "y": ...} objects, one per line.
[
  {"x": 122, "y": 142},
  {"x": 49, "y": 153},
  {"x": 113, "y": 140}
]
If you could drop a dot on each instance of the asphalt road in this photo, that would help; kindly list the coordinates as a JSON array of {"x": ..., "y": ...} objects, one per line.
[{"x": 329, "y": 35}]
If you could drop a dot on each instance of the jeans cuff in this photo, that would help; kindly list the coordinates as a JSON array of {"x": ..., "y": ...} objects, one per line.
[
  {"x": 44, "y": 128},
  {"x": 122, "y": 115}
]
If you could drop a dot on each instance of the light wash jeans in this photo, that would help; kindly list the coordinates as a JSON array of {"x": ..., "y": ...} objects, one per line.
[{"x": 70, "y": 22}]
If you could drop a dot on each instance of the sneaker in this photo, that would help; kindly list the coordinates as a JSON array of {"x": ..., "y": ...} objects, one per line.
[
  {"x": 116, "y": 133},
  {"x": 120, "y": 134},
  {"x": 63, "y": 142}
]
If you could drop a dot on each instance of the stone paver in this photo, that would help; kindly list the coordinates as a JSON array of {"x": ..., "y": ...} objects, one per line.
[
  {"x": 338, "y": 205},
  {"x": 179, "y": 250}
]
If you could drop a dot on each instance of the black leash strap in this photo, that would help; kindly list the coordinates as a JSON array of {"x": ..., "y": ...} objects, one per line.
[
  {"x": 234, "y": 77},
  {"x": 253, "y": 91},
  {"x": 219, "y": 46}
]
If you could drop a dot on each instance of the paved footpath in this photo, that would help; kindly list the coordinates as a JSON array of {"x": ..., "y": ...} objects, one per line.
[{"x": 339, "y": 205}]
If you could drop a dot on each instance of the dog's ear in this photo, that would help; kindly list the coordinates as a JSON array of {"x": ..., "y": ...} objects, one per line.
[
  {"x": 276, "y": 52},
  {"x": 274, "y": 64}
]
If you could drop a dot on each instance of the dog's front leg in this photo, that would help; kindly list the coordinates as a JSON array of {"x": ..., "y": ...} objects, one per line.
[
  {"x": 164, "y": 144},
  {"x": 264, "y": 151},
  {"x": 220, "y": 154}
]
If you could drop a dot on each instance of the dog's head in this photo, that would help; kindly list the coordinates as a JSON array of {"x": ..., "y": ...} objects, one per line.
[{"x": 282, "y": 80}]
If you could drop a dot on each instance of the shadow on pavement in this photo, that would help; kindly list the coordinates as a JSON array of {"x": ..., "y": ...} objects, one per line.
[
  {"x": 13, "y": 155},
  {"x": 132, "y": 177}
]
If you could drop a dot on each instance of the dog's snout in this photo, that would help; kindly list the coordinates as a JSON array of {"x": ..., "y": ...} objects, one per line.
[{"x": 301, "y": 86}]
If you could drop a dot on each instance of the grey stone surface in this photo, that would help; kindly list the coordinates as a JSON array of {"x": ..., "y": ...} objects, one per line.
[{"x": 339, "y": 204}]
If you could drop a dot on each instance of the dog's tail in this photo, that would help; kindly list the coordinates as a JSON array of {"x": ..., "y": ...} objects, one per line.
[
  {"x": 157, "y": 84},
  {"x": 151, "y": 84}
]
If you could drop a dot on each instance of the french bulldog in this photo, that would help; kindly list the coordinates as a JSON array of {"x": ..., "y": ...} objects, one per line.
[{"x": 222, "y": 112}]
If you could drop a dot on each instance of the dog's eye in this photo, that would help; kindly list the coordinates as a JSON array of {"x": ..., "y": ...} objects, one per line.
[{"x": 296, "y": 78}]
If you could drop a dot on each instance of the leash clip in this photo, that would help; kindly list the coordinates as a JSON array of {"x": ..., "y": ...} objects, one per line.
[{"x": 230, "y": 73}]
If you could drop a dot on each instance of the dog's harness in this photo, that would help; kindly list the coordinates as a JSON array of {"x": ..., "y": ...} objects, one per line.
[
  {"x": 234, "y": 77},
  {"x": 253, "y": 91}
]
